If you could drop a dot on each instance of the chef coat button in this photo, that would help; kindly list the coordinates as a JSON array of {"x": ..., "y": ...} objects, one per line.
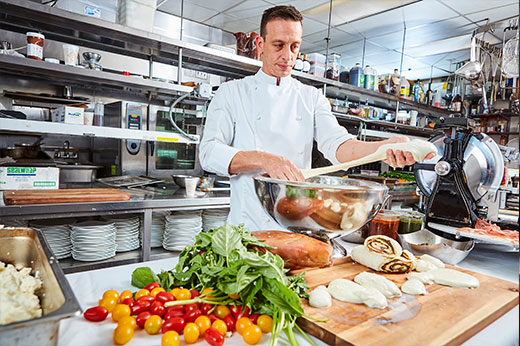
[{"x": 259, "y": 117}]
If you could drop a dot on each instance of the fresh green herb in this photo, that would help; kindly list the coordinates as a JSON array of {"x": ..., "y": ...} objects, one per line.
[
  {"x": 143, "y": 276},
  {"x": 295, "y": 192},
  {"x": 398, "y": 175}
]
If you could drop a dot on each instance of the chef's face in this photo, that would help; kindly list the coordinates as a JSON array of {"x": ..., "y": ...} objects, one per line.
[{"x": 280, "y": 46}]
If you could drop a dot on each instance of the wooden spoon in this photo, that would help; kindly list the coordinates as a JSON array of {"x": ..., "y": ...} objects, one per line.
[{"x": 418, "y": 147}]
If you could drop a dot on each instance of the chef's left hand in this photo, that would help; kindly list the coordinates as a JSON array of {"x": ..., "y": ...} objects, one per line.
[{"x": 398, "y": 158}]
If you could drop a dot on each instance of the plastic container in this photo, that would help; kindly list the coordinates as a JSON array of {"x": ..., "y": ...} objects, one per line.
[
  {"x": 317, "y": 62},
  {"x": 139, "y": 14},
  {"x": 370, "y": 78},
  {"x": 410, "y": 222},
  {"x": 191, "y": 186},
  {"x": 70, "y": 54},
  {"x": 356, "y": 76},
  {"x": 35, "y": 45},
  {"x": 386, "y": 222},
  {"x": 405, "y": 88}
]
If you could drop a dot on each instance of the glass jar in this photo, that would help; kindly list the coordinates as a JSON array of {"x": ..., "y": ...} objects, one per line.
[
  {"x": 410, "y": 222},
  {"x": 386, "y": 222}
]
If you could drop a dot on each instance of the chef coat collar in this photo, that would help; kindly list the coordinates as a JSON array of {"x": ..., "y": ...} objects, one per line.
[{"x": 265, "y": 78}]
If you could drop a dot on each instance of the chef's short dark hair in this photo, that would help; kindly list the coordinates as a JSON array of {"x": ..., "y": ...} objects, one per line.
[{"x": 279, "y": 12}]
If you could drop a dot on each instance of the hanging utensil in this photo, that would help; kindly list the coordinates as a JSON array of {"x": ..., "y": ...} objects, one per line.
[{"x": 472, "y": 69}]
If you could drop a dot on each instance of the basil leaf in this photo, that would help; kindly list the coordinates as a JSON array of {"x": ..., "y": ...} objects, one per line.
[
  {"x": 225, "y": 240},
  {"x": 143, "y": 276}
]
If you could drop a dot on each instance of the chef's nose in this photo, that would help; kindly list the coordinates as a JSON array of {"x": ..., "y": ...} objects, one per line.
[{"x": 287, "y": 53}]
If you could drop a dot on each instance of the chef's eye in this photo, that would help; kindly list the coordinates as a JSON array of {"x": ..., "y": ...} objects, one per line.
[{"x": 295, "y": 47}]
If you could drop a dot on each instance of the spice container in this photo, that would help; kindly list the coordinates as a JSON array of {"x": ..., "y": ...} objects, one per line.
[
  {"x": 35, "y": 45},
  {"x": 386, "y": 222},
  {"x": 410, "y": 222}
]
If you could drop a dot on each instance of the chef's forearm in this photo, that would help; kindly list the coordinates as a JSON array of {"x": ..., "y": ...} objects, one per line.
[
  {"x": 245, "y": 161},
  {"x": 354, "y": 149}
]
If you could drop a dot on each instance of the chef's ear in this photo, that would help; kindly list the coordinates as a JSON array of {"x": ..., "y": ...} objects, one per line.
[{"x": 260, "y": 45}]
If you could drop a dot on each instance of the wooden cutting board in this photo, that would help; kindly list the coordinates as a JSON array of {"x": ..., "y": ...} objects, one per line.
[
  {"x": 446, "y": 316},
  {"x": 20, "y": 197}
]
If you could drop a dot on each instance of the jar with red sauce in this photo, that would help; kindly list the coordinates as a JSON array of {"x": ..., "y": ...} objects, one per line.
[
  {"x": 35, "y": 45},
  {"x": 386, "y": 222}
]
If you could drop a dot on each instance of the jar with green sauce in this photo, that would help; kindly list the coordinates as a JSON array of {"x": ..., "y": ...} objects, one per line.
[{"x": 410, "y": 222}]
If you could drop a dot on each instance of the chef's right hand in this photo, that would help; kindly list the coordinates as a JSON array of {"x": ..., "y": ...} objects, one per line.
[{"x": 279, "y": 167}]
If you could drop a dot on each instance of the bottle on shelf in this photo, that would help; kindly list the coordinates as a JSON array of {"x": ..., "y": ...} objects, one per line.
[
  {"x": 437, "y": 99},
  {"x": 421, "y": 92},
  {"x": 356, "y": 76},
  {"x": 395, "y": 83},
  {"x": 417, "y": 88},
  {"x": 370, "y": 79},
  {"x": 456, "y": 104},
  {"x": 429, "y": 95},
  {"x": 405, "y": 88},
  {"x": 306, "y": 64},
  {"x": 344, "y": 76},
  {"x": 298, "y": 65}
]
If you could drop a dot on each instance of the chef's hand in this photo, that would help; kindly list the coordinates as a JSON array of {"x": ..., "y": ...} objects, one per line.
[
  {"x": 356, "y": 111},
  {"x": 279, "y": 167},
  {"x": 398, "y": 158}
]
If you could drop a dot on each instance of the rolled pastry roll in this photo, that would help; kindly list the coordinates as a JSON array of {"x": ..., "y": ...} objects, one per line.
[
  {"x": 381, "y": 244},
  {"x": 397, "y": 265},
  {"x": 410, "y": 257},
  {"x": 362, "y": 255}
]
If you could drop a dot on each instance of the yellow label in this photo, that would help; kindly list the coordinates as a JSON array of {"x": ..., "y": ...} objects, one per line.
[
  {"x": 445, "y": 85},
  {"x": 166, "y": 139}
]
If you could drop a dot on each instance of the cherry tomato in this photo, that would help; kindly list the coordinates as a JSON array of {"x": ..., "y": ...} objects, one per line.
[
  {"x": 234, "y": 296},
  {"x": 242, "y": 323},
  {"x": 207, "y": 290},
  {"x": 127, "y": 301},
  {"x": 205, "y": 308},
  {"x": 156, "y": 291},
  {"x": 111, "y": 294},
  {"x": 222, "y": 311},
  {"x": 253, "y": 318},
  {"x": 230, "y": 323},
  {"x": 109, "y": 303},
  {"x": 170, "y": 338},
  {"x": 212, "y": 318},
  {"x": 182, "y": 294},
  {"x": 157, "y": 309},
  {"x": 192, "y": 315},
  {"x": 141, "y": 293},
  {"x": 164, "y": 297},
  {"x": 138, "y": 308},
  {"x": 214, "y": 337},
  {"x": 172, "y": 314},
  {"x": 123, "y": 334},
  {"x": 265, "y": 323},
  {"x": 153, "y": 324},
  {"x": 191, "y": 333},
  {"x": 203, "y": 323},
  {"x": 125, "y": 294},
  {"x": 190, "y": 307},
  {"x": 151, "y": 286},
  {"x": 120, "y": 311},
  {"x": 175, "y": 290},
  {"x": 175, "y": 323},
  {"x": 194, "y": 293},
  {"x": 142, "y": 317},
  {"x": 220, "y": 326},
  {"x": 127, "y": 320},
  {"x": 96, "y": 314},
  {"x": 237, "y": 312},
  {"x": 252, "y": 334},
  {"x": 145, "y": 301}
]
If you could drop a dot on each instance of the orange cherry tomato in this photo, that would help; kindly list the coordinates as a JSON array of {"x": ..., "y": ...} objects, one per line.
[
  {"x": 234, "y": 296},
  {"x": 170, "y": 338},
  {"x": 120, "y": 311},
  {"x": 109, "y": 303},
  {"x": 203, "y": 323},
  {"x": 127, "y": 320},
  {"x": 182, "y": 294},
  {"x": 207, "y": 290},
  {"x": 142, "y": 293},
  {"x": 222, "y": 311},
  {"x": 191, "y": 333},
  {"x": 156, "y": 291},
  {"x": 220, "y": 326},
  {"x": 265, "y": 323},
  {"x": 153, "y": 324},
  {"x": 125, "y": 294},
  {"x": 123, "y": 334},
  {"x": 242, "y": 324},
  {"x": 111, "y": 294},
  {"x": 252, "y": 335}
]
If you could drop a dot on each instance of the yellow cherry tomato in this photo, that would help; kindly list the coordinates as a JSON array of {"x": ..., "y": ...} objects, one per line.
[
  {"x": 123, "y": 334},
  {"x": 222, "y": 311},
  {"x": 120, "y": 311},
  {"x": 156, "y": 291},
  {"x": 175, "y": 291},
  {"x": 242, "y": 324},
  {"x": 252, "y": 334},
  {"x": 109, "y": 303},
  {"x": 170, "y": 338},
  {"x": 220, "y": 326},
  {"x": 204, "y": 323},
  {"x": 191, "y": 333},
  {"x": 265, "y": 323},
  {"x": 182, "y": 294},
  {"x": 111, "y": 294},
  {"x": 127, "y": 320},
  {"x": 125, "y": 294},
  {"x": 234, "y": 296},
  {"x": 207, "y": 290},
  {"x": 153, "y": 324},
  {"x": 142, "y": 293}
]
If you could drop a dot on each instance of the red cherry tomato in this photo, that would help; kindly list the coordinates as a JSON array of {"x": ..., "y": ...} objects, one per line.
[
  {"x": 192, "y": 315},
  {"x": 230, "y": 323},
  {"x": 213, "y": 318},
  {"x": 142, "y": 317},
  {"x": 213, "y": 337},
  {"x": 137, "y": 308},
  {"x": 164, "y": 297},
  {"x": 145, "y": 301},
  {"x": 172, "y": 313},
  {"x": 206, "y": 308},
  {"x": 128, "y": 301},
  {"x": 190, "y": 307},
  {"x": 176, "y": 324},
  {"x": 151, "y": 286},
  {"x": 96, "y": 314},
  {"x": 254, "y": 318},
  {"x": 237, "y": 311},
  {"x": 157, "y": 309},
  {"x": 194, "y": 293},
  {"x": 175, "y": 307}
]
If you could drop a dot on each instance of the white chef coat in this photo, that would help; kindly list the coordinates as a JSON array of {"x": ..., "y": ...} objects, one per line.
[{"x": 254, "y": 113}]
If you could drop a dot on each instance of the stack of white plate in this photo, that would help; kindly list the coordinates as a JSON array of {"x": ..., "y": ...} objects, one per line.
[
  {"x": 180, "y": 229},
  {"x": 57, "y": 234},
  {"x": 158, "y": 220},
  {"x": 213, "y": 218},
  {"x": 127, "y": 231},
  {"x": 93, "y": 240}
]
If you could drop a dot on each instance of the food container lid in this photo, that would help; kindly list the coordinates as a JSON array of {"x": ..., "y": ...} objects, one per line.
[
  {"x": 412, "y": 216},
  {"x": 52, "y": 60},
  {"x": 387, "y": 215},
  {"x": 35, "y": 34}
]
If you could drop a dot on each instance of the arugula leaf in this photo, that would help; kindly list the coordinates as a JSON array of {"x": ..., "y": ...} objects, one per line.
[
  {"x": 271, "y": 264},
  {"x": 225, "y": 240},
  {"x": 285, "y": 299},
  {"x": 143, "y": 276}
]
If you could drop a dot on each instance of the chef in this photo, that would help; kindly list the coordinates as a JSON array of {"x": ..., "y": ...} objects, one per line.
[{"x": 267, "y": 123}]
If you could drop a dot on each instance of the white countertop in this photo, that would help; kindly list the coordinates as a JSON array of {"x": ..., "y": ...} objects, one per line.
[{"x": 89, "y": 286}]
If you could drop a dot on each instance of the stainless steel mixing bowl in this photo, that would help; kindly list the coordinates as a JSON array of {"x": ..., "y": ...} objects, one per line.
[{"x": 322, "y": 206}]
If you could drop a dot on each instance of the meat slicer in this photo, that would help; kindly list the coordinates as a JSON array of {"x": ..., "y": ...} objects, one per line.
[{"x": 460, "y": 184}]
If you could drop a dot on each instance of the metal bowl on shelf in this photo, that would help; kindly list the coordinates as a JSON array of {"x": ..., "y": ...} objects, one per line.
[
  {"x": 180, "y": 179},
  {"x": 426, "y": 242},
  {"x": 92, "y": 57},
  {"x": 322, "y": 206}
]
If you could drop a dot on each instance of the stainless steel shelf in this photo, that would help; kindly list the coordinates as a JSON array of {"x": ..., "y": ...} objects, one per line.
[{"x": 69, "y": 265}]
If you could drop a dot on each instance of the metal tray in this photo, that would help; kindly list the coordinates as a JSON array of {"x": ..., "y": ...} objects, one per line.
[{"x": 26, "y": 247}]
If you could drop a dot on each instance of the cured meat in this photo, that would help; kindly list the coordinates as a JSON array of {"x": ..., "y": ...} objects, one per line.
[
  {"x": 297, "y": 250},
  {"x": 489, "y": 230}
]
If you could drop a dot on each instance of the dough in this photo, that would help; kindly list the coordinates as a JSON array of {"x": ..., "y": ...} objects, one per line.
[
  {"x": 411, "y": 257},
  {"x": 413, "y": 286},
  {"x": 320, "y": 298},
  {"x": 434, "y": 260},
  {"x": 380, "y": 283},
  {"x": 454, "y": 278},
  {"x": 345, "y": 290},
  {"x": 425, "y": 266},
  {"x": 425, "y": 277},
  {"x": 354, "y": 216},
  {"x": 373, "y": 298},
  {"x": 383, "y": 245},
  {"x": 362, "y": 255}
]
